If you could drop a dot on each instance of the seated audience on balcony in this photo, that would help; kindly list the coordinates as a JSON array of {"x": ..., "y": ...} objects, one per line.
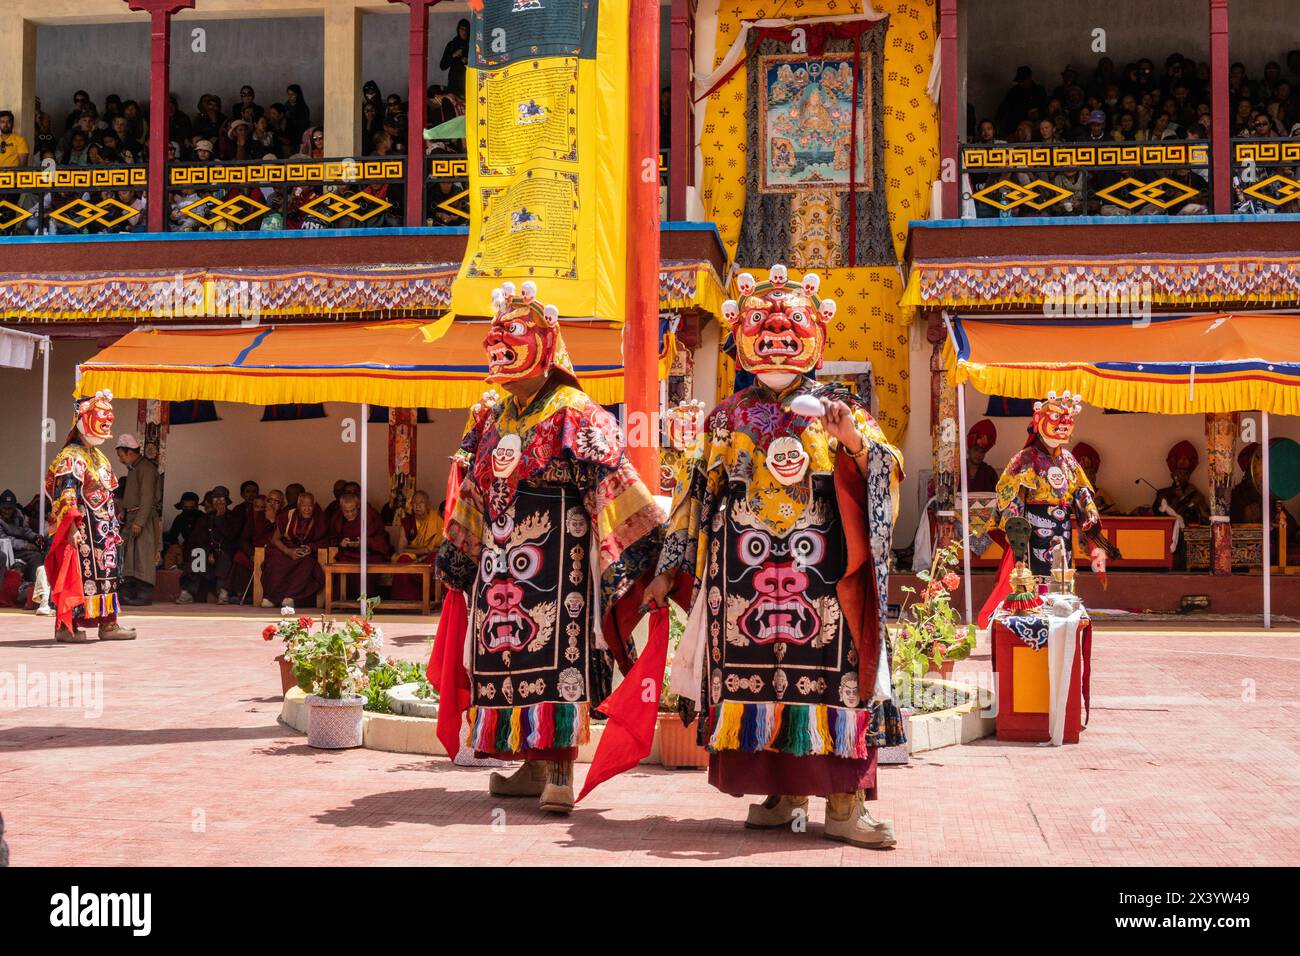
[
  {"x": 80, "y": 100},
  {"x": 209, "y": 119},
  {"x": 455, "y": 57},
  {"x": 237, "y": 143},
  {"x": 248, "y": 101},
  {"x": 14, "y": 150},
  {"x": 345, "y": 531},
  {"x": 1024, "y": 96},
  {"x": 44, "y": 141},
  {"x": 419, "y": 535},
  {"x": 16, "y": 528},
  {"x": 296, "y": 112},
  {"x": 313, "y": 142},
  {"x": 291, "y": 574},
  {"x": 179, "y": 128},
  {"x": 372, "y": 123},
  {"x": 77, "y": 152},
  {"x": 262, "y": 521}
]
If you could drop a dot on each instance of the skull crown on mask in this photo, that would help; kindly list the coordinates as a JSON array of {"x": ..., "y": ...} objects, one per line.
[
  {"x": 1053, "y": 419},
  {"x": 778, "y": 326},
  {"x": 521, "y": 341}
]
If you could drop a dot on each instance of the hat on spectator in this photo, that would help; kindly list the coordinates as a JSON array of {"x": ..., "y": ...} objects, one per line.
[
  {"x": 221, "y": 491},
  {"x": 8, "y": 499},
  {"x": 203, "y": 144},
  {"x": 188, "y": 496},
  {"x": 234, "y": 123},
  {"x": 1096, "y": 116},
  {"x": 127, "y": 440}
]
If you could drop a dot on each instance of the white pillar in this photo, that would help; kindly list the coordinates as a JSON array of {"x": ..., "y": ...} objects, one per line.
[
  {"x": 365, "y": 504},
  {"x": 44, "y": 346},
  {"x": 965, "y": 497},
  {"x": 1267, "y": 518}
]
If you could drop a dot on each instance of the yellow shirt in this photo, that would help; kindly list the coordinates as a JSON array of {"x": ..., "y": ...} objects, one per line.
[{"x": 12, "y": 147}]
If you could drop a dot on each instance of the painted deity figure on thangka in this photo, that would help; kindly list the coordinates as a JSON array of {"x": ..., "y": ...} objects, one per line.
[
  {"x": 550, "y": 541},
  {"x": 84, "y": 558},
  {"x": 1047, "y": 486},
  {"x": 778, "y": 547}
]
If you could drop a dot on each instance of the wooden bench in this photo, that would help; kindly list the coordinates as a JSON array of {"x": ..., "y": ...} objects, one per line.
[
  {"x": 259, "y": 555},
  {"x": 333, "y": 566}
]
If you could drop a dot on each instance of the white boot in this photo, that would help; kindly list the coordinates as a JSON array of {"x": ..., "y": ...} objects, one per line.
[
  {"x": 776, "y": 812},
  {"x": 847, "y": 821},
  {"x": 528, "y": 781}
]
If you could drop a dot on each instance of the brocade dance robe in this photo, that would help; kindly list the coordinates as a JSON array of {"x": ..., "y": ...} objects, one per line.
[
  {"x": 80, "y": 482},
  {"x": 552, "y": 540},
  {"x": 284, "y": 576},
  {"x": 785, "y": 645},
  {"x": 1050, "y": 489}
]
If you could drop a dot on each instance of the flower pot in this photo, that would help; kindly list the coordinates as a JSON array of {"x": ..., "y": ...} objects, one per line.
[
  {"x": 334, "y": 724},
  {"x": 903, "y": 752},
  {"x": 677, "y": 746},
  {"x": 287, "y": 681},
  {"x": 944, "y": 670}
]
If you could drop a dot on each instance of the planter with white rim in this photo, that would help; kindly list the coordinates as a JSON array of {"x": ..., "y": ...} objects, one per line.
[{"x": 334, "y": 724}]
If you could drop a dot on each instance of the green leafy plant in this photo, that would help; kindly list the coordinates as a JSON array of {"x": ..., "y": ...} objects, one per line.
[
  {"x": 387, "y": 674},
  {"x": 676, "y": 628},
  {"x": 929, "y": 630},
  {"x": 331, "y": 661}
]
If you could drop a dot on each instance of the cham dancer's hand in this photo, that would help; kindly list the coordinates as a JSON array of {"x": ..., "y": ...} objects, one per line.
[
  {"x": 841, "y": 426},
  {"x": 656, "y": 592},
  {"x": 1098, "y": 561}
]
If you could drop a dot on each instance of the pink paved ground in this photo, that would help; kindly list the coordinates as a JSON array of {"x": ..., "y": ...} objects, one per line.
[{"x": 1191, "y": 758}]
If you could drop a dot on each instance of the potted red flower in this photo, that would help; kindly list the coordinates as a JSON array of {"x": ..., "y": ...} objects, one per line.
[{"x": 287, "y": 629}]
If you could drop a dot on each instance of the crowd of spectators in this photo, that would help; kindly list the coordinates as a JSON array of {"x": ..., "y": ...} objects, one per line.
[{"x": 1136, "y": 103}]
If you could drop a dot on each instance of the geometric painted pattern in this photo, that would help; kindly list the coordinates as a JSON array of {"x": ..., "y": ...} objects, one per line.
[{"x": 287, "y": 171}]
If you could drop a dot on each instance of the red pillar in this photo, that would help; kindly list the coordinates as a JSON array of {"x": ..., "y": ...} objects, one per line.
[
  {"x": 417, "y": 107},
  {"x": 160, "y": 46},
  {"x": 1222, "y": 144},
  {"x": 950, "y": 124},
  {"x": 641, "y": 333},
  {"x": 682, "y": 151}
]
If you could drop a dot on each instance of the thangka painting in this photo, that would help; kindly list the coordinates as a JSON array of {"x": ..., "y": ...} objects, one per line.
[
  {"x": 806, "y": 126},
  {"x": 815, "y": 199}
]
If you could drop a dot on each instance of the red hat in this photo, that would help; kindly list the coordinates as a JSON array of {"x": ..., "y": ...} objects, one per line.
[
  {"x": 1182, "y": 457},
  {"x": 983, "y": 434},
  {"x": 1085, "y": 453}
]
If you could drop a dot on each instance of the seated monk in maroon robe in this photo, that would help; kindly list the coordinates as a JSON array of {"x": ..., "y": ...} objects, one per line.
[
  {"x": 345, "y": 534},
  {"x": 290, "y": 572}
]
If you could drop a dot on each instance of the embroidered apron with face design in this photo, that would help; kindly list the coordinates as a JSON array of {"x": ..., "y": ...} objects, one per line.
[
  {"x": 775, "y": 631},
  {"x": 531, "y": 602}
]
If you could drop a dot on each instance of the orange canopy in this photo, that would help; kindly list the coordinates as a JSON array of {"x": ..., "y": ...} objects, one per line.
[
  {"x": 400, "y": 364},
  {"x": 1204, "y": 363}
]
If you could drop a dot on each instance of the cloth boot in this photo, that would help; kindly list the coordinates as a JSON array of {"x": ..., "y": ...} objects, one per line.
[
  {"x": 847, "y": 821},
  {"x": 75, "y": 636},
  {"x": 528, "y": 781},
  {"x": 557, "y": 797},
  {"x": 115, "y": 632},
  {"x": 776, "y": 812}
]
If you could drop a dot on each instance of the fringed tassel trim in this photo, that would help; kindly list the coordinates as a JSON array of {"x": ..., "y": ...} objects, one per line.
[
  {"x": 535, "y": 727},
  {"x": 804, "y": 729},
  {"x": 100, "y": 606}
]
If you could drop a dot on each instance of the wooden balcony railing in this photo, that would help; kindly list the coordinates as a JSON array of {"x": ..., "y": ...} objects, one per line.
[
  {"x": 55, "y": 200},
  {"x": 286, "y": 194},
  {"x": 1003, "y": 180},
  {"x": 1266, "y": 176}
]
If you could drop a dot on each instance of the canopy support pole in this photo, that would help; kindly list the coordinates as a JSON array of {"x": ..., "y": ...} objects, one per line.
[
  {"x": 1265, "y": 508},
  {"x": 364, "y": 544},
  {"x": 965, "y": 498},
  {"x": 45, "y": 346}
]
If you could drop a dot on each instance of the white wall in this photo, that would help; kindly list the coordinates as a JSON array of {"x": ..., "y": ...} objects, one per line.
[{"x": 226, "y": 452}]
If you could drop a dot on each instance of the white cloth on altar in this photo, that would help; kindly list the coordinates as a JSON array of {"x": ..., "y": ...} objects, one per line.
[{"x": 1062, "y": 642}]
